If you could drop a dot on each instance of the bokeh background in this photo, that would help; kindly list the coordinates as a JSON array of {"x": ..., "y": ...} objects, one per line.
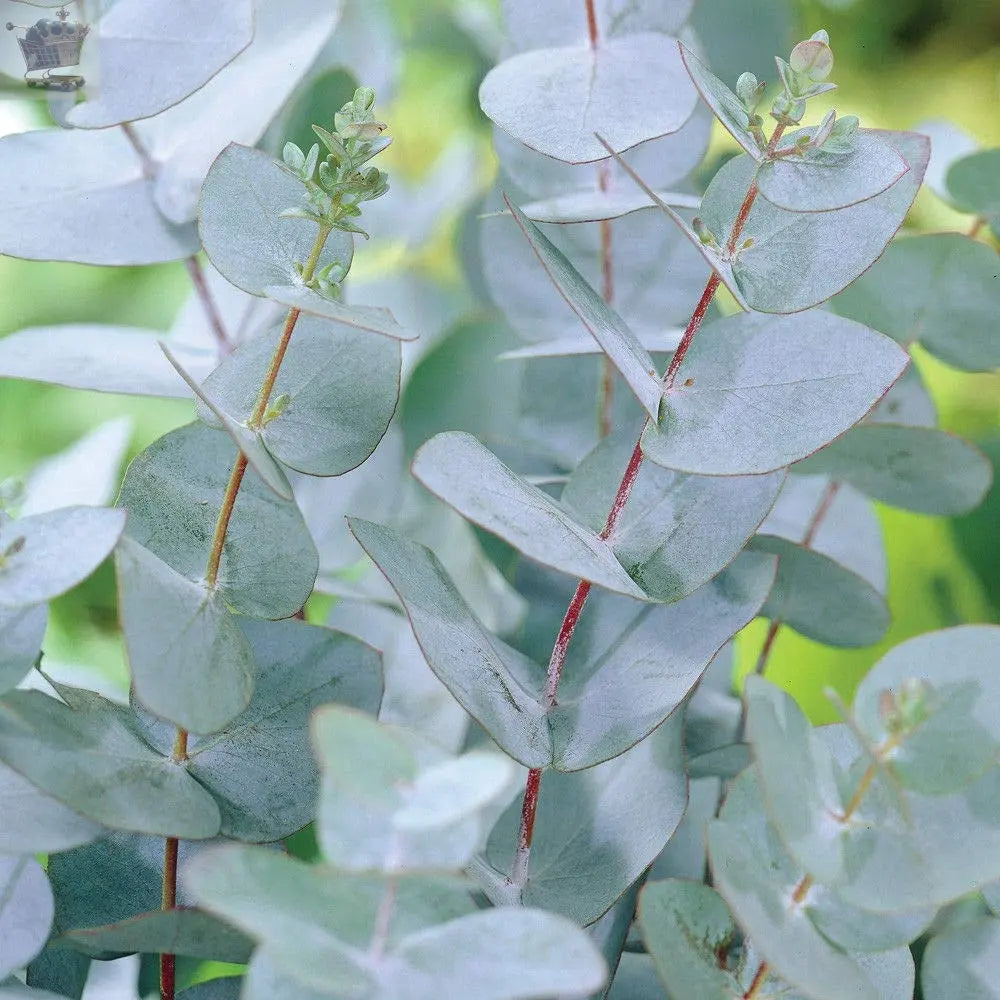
[{"x": 899, "y": 64}]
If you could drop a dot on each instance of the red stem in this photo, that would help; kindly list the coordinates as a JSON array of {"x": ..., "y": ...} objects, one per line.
[
  {"x": 592, "y": 29},
  {"x": 529, "y": 804},
  {"x": 215, "y": 323}
]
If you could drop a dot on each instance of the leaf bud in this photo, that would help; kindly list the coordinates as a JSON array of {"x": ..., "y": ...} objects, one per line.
[
  {"x": 812, "y": 60},
  {"x": 749, "y": 91}
]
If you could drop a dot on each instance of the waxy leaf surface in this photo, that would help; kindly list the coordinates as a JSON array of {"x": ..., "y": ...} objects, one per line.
[
  {"x": 44, "y": 555},
  {"x": 938, "y": 290},
  {"x": 630, "y": 89},
  {"x": 21, "y": 633},
  {"x": 188, "y": 658},
  {"x": 755, "y": 393},
  {"x": 92, "y": 758},
  {"x": 173, "y": 492},
  {"x": 26, "y": 910},
  {"x": 242, "y": 228},
  {"x": 150, "y": 58},
  {"x": 919, "y": 468}
]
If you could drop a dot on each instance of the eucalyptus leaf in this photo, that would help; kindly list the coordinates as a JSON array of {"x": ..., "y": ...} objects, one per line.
[
  {"x": 331, "y": 404},
  {"x": 34, "y": 821},
  {"x": 799, "y": 259},
  {"x": 492, "y": 681},
  {"x": 599, "y": 206},
  {"x": 149, "y": 59},
  {"x": 103, "y": 358},
  {"x": 92, "y": 758},
  {"x": 371, "y": 318},
  {"x": 21, "y": 633},
  {"x": 222, "y": 988},
  {"x": 529, "y": 26},
  {"x": 178, "y": 932},
  {"x": 972, "y": 184},
  {"x": 755, "y": 393},
  {"x": 99, "y": 212},
  {"x": 457, "y": 468},
  {"x": 686, "y": 926},
  {"x": 630, "y": 89},
  {"x": 919, "y": 468},
  {"x": 406, "y": 807},
  {"x": 173, "y": 492},
  {"x": 626, "y": 688},
  {"x": 241, "y": 225},
  {"x": 662, "y": 537},
  {"x": 619, "y": 343},
  {"x": 264, "y": 796},
  {"x": 949, "y": 142},
  {"x": 820, "y": 181},
  {"x": 189, "y": 661},
  {"x": 907, "y": 402},
  {"x": 44, "y": 555},
  {"x": 847, "y": 529},
  {"x": 85, "y": 474},
  {"x": 958, "y": 735},
  {"x": 593, "y": 835},
  {"x": 244, "y": 97},
  {"x": 939, "y": 290},
  {"x": 963, "y": 962},
  {"x": 636, "y": 979},
  {"x": 725, "y": 105},
  {"x": 665, "y": 341},
  {"x": 822, "y": 599},
  {"x": 26, "y": 910},
  {"x": 757, "y": 880}
]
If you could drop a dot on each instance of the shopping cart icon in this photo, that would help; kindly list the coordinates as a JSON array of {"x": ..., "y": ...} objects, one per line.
[{"x": 52, "y": 44}]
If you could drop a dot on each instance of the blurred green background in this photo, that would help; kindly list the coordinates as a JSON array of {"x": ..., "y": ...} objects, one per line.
[{"x": 899, "y": 62}]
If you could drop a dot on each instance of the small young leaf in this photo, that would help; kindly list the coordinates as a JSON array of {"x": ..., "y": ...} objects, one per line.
[
  {"x": 189, "y": 661},
  {"x": 21, "y": 633},
  {"x": 26, "y": 910},
  {"x": 755, "y": 393},
  {"x": 629, "y": 89},
  {"x": 150, "y": 61},
  {"x": 939, "y": 290},
  {"x": 242, "y": 227},
  {"x": 44, "y": 555},
  {"x": 820, "y": 598},
  {"x": 341, "y": 387},
  {"x": 917, "y": 468},
  {"x": 607, "y": 327},
  {"x": 92, "y": 758},
  {"x": 173, "y": 493},
  {"x": 663, "y": 539},
  {"x": 457, "y": 468}
]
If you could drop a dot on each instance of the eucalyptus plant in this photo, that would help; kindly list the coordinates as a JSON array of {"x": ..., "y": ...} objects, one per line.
[{"x": 482, "y": 739}]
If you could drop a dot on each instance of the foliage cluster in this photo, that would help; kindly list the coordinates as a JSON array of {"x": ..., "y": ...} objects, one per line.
[{"x": 510, "y": 762}]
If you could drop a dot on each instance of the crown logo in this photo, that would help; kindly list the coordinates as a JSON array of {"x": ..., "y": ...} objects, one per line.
[{"x": 52, "y": 44}]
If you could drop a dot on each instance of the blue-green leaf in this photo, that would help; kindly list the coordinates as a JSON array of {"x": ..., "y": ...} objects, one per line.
[
  {"x": 26, "y": 910},
  {"x": 964, "y": 961},
  {"x": 755, "y": 393},
  {"x": 370, "y": 318},
  {"x": 44, "y": 555},
  {"x": 972, "y": 184},
  {"x": 918, "y": 468},
  {"x": 629, "y": 89},
  {"x": 21, "y": 633},
  {"x": 173, "y": 492}
]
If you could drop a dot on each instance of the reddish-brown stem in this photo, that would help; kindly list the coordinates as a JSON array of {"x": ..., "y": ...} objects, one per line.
[
  {"x": 529, "y": 804},
  {"x": 168, "y": 963},
  {"x": 765, "y": 650},
  {"x": 823, "y": 508},
  {"x": 977, "y": 225},
  {"x": 201, "y": 289},
  {"x": 225, "y": 515},
  {"x": 758, "y": 982},
  {"x": 592, "y": 29}
]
